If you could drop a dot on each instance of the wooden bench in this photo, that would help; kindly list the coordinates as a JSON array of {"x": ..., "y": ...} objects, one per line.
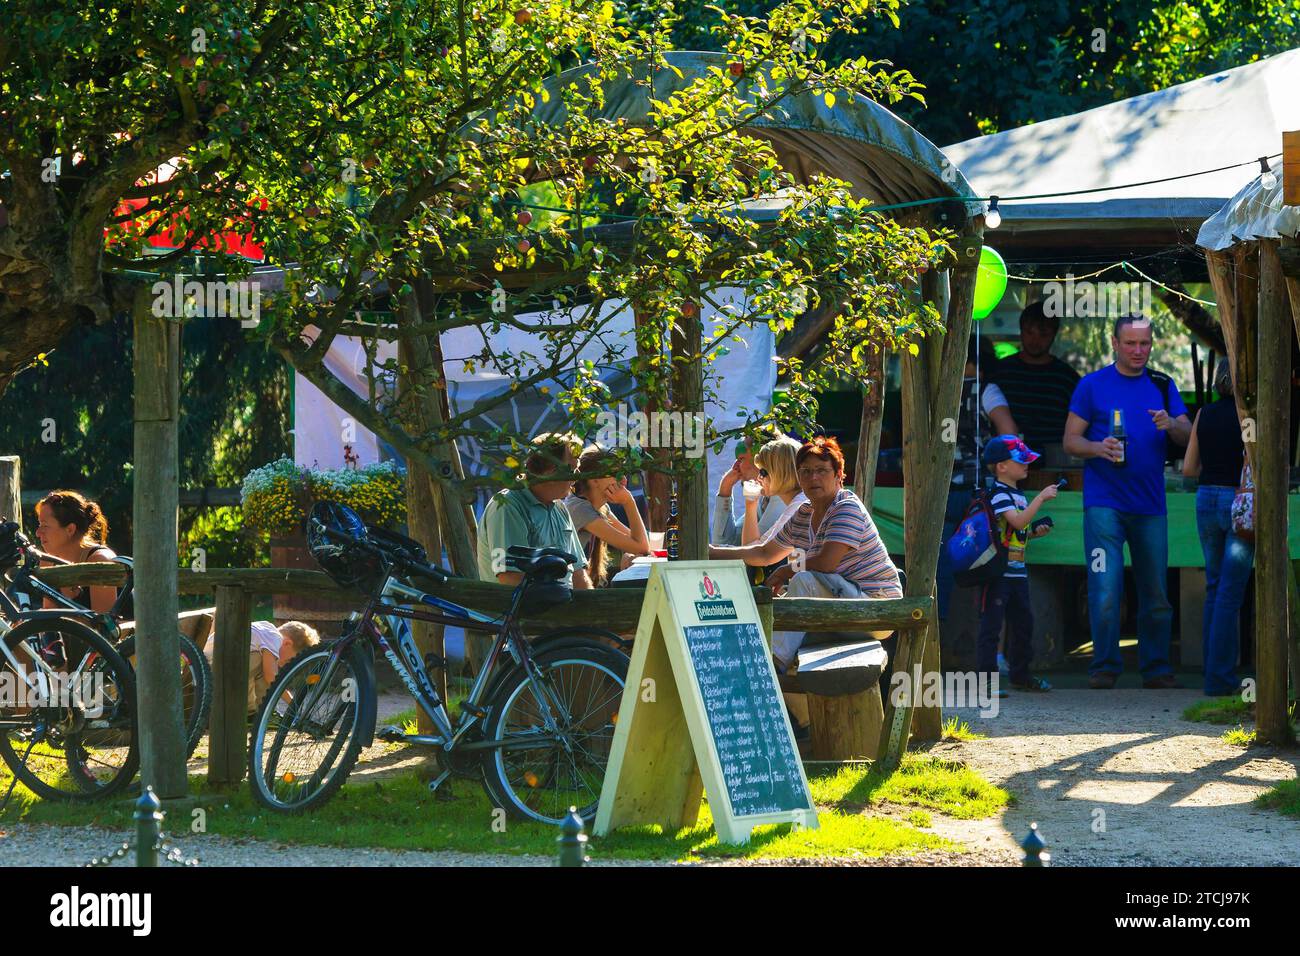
[
  {"x": 841, "y": 679},
  {"x": 196, "y": 625}
]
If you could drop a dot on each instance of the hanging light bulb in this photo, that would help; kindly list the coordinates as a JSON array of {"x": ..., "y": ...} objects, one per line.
[
  {"x": 992, "y": 218},
  {"x": 1267, "y": 178}
]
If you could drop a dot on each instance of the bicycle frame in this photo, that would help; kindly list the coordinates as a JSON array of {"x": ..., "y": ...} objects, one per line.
[{"x": 409, "y": 666}]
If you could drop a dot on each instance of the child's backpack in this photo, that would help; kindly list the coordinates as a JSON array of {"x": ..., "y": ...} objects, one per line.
[{"x": 976, "y": 549}]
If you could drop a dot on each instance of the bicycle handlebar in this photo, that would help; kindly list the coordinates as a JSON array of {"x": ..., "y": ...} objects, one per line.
[{"x": 393, "y": 552}]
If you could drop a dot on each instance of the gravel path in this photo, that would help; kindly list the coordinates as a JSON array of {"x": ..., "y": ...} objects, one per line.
[
  {"x": 1117, "y": 778},
  {"x": 1113, "y": 778}
]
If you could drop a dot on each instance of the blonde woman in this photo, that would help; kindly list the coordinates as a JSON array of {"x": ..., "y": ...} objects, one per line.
[
  {"x": 597, "y": 527},
  {"x": 779, "y": 480}
]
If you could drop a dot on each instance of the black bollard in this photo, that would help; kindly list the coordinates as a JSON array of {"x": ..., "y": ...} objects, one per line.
[
  {"x": 148, "y": 828},
  {"x": 1035, "y": 848},
  {"x": 573, "y": 842}
]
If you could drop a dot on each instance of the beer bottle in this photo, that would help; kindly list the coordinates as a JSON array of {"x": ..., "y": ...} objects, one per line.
[
  {"x": 672, "y": 536},
  {"x": 1117, "y": 432}
]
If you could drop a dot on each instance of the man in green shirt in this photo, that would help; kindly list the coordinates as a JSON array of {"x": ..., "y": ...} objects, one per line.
[{"x": 535, "y": 516}]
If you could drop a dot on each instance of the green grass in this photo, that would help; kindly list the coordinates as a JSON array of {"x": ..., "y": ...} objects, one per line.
[
  {"x": 1220, "y": 710},
  {"x": 1239, "y": 737},
  {"x": 955, "y": 729},
  {"x": 1283, "y": 797},
  {"x": 399, "y": 813},
  {"x": 944, "y": 786}
]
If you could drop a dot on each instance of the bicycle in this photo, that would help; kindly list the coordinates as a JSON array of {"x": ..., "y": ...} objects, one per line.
[
  {"x": 26, "y": 589},
  {"x": 67, "y": 701},
  {"x": 535, "y": 728}
]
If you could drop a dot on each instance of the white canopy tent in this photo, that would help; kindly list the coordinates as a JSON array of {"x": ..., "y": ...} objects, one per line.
[
  {"x": 1220, "y": 120},
  {"x": 745, "y": 375}
]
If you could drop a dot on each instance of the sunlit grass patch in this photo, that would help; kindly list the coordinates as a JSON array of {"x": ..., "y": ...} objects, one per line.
[
  {"x": 956, "y": 729},
  {"x": 1239, "y": 737},
  {"x": 1220, "y": 710},
  {"x": 945, "y": 786},
  {"x": 1283, "y": 797},
  {"x": 400, "y": 814}
]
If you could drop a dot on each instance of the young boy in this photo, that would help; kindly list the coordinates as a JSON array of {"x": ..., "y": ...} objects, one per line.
[{"x": 1007, "y": 598}]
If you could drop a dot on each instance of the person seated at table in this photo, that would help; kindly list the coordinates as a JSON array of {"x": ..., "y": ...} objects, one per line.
[
  {"x": 533, "y": 516},
  {"x": 269, "y": 649},
  {"x": 778, "y": 480},
  {"x": 74, "y": 528},
  {"x": 726, "y": 528},
  {"x": 842, "y": 553},
  {"x": 597, "y": 527}
]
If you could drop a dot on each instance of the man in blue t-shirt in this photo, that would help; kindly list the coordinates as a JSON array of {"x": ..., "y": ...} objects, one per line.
[{"x": 1124, "y": 499}]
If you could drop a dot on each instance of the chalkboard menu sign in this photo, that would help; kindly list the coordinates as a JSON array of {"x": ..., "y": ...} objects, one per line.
[
  {"x": 702, "y": 711},
  {"x": 746, "y": 717}
]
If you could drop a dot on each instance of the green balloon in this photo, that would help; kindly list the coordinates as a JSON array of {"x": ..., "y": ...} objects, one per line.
[{"x": 990, "y": 282}]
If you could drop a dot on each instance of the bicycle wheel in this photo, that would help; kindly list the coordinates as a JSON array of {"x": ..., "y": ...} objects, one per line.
[
  {"x": 69, "y": 733},
  {"x": 538, "y": 772},
  {"x": 196, "y": 687},
  {"x": 308, "y": 732}
]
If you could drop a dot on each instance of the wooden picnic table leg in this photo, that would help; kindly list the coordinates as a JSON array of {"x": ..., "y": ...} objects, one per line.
[{"x": 228, "y": 746}]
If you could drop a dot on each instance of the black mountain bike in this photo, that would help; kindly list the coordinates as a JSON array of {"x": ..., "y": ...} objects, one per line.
[
  {"x": 67, "y": 699},
  {"x": 537, "y": 725},
  {"x": 26, "y": 589}
]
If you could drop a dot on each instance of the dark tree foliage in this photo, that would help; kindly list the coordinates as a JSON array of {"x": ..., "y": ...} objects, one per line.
[
  {"x": 989, "y": 66},
  {"x": 234, "y": 415}
]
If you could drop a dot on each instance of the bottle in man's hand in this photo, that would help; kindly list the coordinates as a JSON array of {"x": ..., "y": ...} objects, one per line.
[{"x": 1117, "y": 433}]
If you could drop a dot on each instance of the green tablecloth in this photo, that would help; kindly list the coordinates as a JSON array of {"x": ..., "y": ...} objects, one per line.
[{"x": 1065, "y": 544}]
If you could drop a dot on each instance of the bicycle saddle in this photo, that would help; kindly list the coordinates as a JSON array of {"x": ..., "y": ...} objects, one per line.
[{"x": 542, "y": 564}]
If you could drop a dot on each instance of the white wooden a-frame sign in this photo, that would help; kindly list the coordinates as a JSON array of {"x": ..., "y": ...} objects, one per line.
[{"x": 702, "y": 710}]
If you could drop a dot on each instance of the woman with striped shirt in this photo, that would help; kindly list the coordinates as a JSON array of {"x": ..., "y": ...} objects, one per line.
[{"x": 842, "y": 554}]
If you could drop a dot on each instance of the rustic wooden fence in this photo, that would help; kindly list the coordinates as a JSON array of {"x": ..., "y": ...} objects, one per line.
[{"x": 615, "y": 609}]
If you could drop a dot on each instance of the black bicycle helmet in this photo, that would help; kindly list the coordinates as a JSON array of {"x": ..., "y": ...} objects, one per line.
[
  {"x": 337, "y": 539},
  {"x": 12, "y": 543}
]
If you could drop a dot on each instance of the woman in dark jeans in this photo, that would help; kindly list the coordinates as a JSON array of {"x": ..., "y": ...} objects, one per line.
[{"x": 1214, "y": 453}]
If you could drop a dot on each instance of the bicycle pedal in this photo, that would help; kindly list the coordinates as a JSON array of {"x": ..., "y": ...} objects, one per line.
[
  {"x": 473, "y": 709},
  {"x": 434, "y": 661},
  {"x": 391, "y": 734}
]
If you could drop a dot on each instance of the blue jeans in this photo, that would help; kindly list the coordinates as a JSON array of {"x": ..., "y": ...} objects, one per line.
[
  {"x": 1228, "y": 560},
  {"x": 1104, "y": 532},
  {"x": 1006, "y": 599}
]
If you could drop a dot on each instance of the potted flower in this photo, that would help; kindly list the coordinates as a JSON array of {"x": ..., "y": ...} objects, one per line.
[{"x": 278, "y": 497}]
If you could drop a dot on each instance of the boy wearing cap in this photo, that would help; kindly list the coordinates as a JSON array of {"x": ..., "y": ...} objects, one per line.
[{"x": 1007, "y": 598}]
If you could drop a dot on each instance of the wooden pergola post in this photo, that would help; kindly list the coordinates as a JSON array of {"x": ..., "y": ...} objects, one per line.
[
  {"x": 688, "y": 399},
  {"x": 1272, "y": 471},
  {"x": 228, "y": 743},
  {"x": 873, "y": 414},
  {"x": 931, "y": 391},
  {"x": 158, "y": 679}
]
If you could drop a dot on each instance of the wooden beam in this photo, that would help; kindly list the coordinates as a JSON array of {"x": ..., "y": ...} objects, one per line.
[
  {"x": 869, "y": 426},
  {"x": 158, "y": 680},
  {"x": 931, "y": 390},
  {"x": 11, "y": 489},
  {"x": 617, "y": 609},
  {"x": 692, "y": 474},
  {"x": 1271, "y": 480},
  {"x": 228, "y": 743},
  {"x": 1291, "y": 167}
]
